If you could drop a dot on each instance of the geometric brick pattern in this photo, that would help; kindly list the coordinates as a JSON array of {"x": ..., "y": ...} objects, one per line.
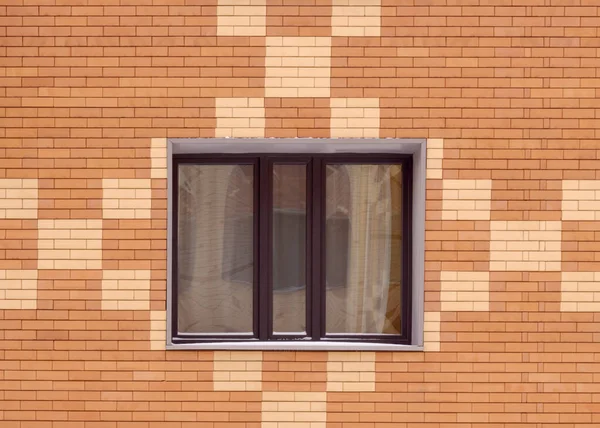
[
  {"x": 126, "y": 198},
  {"x": 525, "y": 246},
  {"x": 431, "y": 331},
  {"x": 435, "y": 154},
  {"x": 158, "y": 158},
  {"x": 237, "y": 371},
  {"x": 353, "y": 371},
  {"x": 297, "y": 67},
  {"x": 158, "y": 330},
  {"x": 465, "y": 291},
  {"x": 506, "y": 97},
  {"x": 241, "y": 18},
  {"x": 294, "y": 409},
  {"x": 581, "y": 200},
  {"x": 356, "y": 18},
  {"x": 18, "y": 289},
  {"x": 580, "y": 292},
  {"x": 467, "y": 199},
  {"x": 18, "y": 198},
  {"x": 354, "y": 118},
  {"x": 70, "y": 244},
  {"x": 125, "y": 289},
  {"x": 237, "y": 117}
]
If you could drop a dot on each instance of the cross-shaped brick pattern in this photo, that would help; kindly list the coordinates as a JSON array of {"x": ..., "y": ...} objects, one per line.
[{"x": 504, "y": 93}]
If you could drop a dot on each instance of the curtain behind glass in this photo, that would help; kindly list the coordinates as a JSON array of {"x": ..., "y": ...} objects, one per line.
[
  {"x": 369, "y": 197},
  {"x": 215, "y": 248}
]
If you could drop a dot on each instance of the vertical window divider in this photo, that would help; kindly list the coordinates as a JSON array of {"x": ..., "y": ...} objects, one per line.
[
  {"x": 317, "y": 247},
  {"x": 174, "y": 278},
  {"x": 265, "y": 303},
  {"x": 407, "y": 248},
  {"x": 309, "y": 265}
]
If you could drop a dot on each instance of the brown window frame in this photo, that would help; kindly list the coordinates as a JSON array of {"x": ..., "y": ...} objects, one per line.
[{"x": 315, "y": 245}]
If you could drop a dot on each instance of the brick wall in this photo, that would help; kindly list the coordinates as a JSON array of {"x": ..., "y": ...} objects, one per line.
[{"x": 506, "y": 92}]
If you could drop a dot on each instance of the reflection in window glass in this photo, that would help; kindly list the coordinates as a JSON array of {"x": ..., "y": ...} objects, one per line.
[
  {"x": 289, "y": 248},
  {"x": 215, "y": 248}
]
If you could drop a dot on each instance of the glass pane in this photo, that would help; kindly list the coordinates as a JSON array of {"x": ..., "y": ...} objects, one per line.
[
  {"x": 289, "y": 248},
  {"x": 215, "y": 260},
  {"x": 363, "y": 249}
]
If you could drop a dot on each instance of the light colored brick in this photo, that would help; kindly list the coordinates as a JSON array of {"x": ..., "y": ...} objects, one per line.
[
  {"x": 351, "y": 371},
  {"x": 466, "y": 290},
  {"x": 435, "y": 154},
  {"x": 158, "y": 154},
  {"x": 581, "y": 200},
  {"x": 356, "y": 18},
  {"x": 466, "y": 199},
  {"x": 431, "y": 331},
  {"x": 294, "y": 409},
  {"x": 18, "y": 198},
  {"x": 580, "y": 291},
  {"x": 126, "y": 289},
  {"x": 240, "y": 373},
  {"x": 525, "y": 246},
  {"x": 70, "y": 244},
  {"x": 298, "y": 67},
  {"x": 240, "y": 117},
  {"x": 241, "y": 18},
  {"x": 126, "y": 198},
  {"x": 354, "y": 117},
  {"x": 18, "y": 289},
  {"x": 158, "y": 330}
]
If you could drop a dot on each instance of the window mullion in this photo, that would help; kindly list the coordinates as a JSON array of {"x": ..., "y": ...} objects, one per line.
[
  {"x": 264, "y": 308},
  {"x": 317, "y": 241},
  {"x": 407, "y": 249}
]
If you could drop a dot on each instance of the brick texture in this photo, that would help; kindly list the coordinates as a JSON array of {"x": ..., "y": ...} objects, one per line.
[{"x": 506, "y": 94}]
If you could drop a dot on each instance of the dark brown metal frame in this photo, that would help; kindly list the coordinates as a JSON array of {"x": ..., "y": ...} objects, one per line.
[{"x": 315, "y": 245}]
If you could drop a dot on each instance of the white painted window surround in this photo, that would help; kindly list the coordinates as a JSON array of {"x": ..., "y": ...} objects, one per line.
[{"x": 415, "y": 147}]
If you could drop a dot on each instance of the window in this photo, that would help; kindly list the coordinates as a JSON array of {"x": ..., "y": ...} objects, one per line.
[{"x": 291, "y": 247}]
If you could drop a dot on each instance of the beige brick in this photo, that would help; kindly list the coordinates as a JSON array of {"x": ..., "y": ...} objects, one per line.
[
  {"x": 18, "y": 289},
  {"x": 70, "y": 244},
  {"x": 587, "y": 307},
  {"x": 159, "y": 143},
  {"x": 354, "y": 118},
  {"x": 158, "y": 330},
  {"x": 525, "y": 245},
  {"x": 466, "y": 199},
  {"x": 239, "y": 373},
  {"x": 18, "y": 198},
  {"x": 431, "y": 331},
  {"x": 240, "y": 117},
  {"x": 581, "y": 200},
  {"x": 11, "y": 304},
  {"x": 252, "y": 357},
  {"x": 126, "y": 289},
  {"x": 158, "y": 154},
  {"x": 126, "y": 198},
  {"x": 356, "y": 18},
  {"x": 241, "y": 17},
  {"x": 132, "y": 305},
  {"x": 298, "y": 67},
  {"x": 294, "y": 409},
  {"x": 435, "y": 154},
  {"x": 464, "y": 290},
  {"x": 351, "y": 371},
  {"x": 580, "y": 291}
]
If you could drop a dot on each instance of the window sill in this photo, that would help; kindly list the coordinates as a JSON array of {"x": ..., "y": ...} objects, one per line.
[{"x": 295, "y": 346}]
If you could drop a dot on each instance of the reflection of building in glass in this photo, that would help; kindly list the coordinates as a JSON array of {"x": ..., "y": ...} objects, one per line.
[
  {"x": 362, "y": 257},
  {"x": 212, "y": 278}
]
